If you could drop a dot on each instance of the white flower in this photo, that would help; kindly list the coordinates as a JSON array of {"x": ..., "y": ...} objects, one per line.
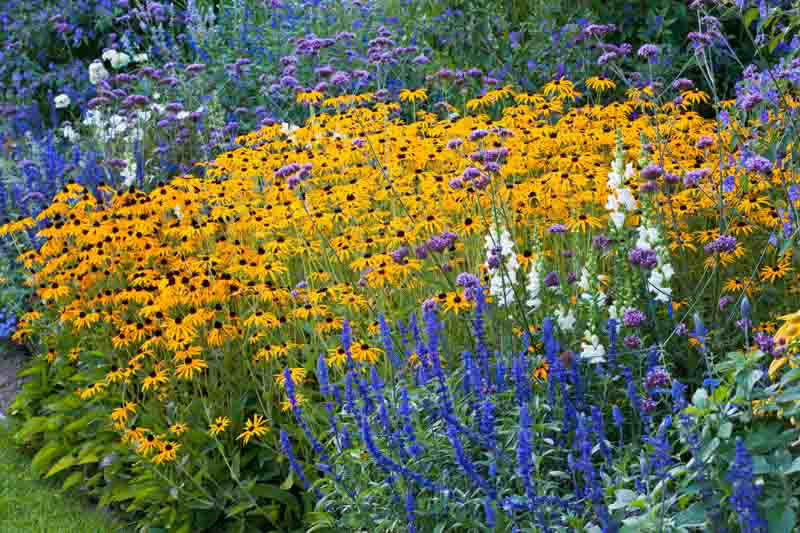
[
  {"x": 626, "y": 199},
  {"x": 182, "y": 115},
  {"x": 109, "y": 55},
  {"x": 61, "y": 101},
  {"x": 140, "y": 58},
  {"x": 120, "y": 60},
  {"x": 129, "y": 173},
  {"x": 566, "y": 319},
  {"x": 618, "y": 218},
  {"x": 70, "y": 134},
  {"x": 592, "y": 350},
  {"x": 97, "y": 72},
  {"x": 534, "y": 285}
]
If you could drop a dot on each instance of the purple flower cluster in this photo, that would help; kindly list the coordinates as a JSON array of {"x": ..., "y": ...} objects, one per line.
[
  {"x": 440, "y": 243},
  {"x": 633, "y": 318},
  {"x": 644, "y": 258},
  {"x": 720, "y": 245}
]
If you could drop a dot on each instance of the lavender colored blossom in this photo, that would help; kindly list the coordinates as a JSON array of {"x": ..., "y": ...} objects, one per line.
[
  {"x": 633, "y": 318},
  {"x": 632, "y": 342},
  {"x": 722, "y": 244},
  {"x": 648, "y": 51},
  {"x": 557, "y": 228},
  {"x": 551, "y": 280},
  {"x": 647, "y": 259}
]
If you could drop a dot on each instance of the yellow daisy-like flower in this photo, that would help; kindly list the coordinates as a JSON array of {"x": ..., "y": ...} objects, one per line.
[
  {"x": 298, "y": 376},
  {"x": 220, "y": 424},
  {"x": 189, "y": 366},
  {"x": 311, "y": 97},
  {"x": 178, "y": 428},
  {"x": 600, "y": 84},
  {"x": 790, "y": 329},
  {"x": 407, "y": 95},
  {"x": 254, "y": 427},
  {"x": 167, "y": 452}
]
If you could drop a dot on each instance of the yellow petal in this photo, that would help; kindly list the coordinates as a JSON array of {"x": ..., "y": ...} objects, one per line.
[{"x": 776, "y": 365}]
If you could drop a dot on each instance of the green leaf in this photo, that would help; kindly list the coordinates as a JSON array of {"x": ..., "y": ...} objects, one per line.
[
  {"x": 700, "y": 398},
  {"x": 72, "y": 480},
  {"x": 749, "y": 16},
  {"x": 32, "y": 426},
  {"x": 624, "y": 498},
  {"x": 794, "y": 467},
  {"x": 781, "y": 519},
  {"x": 46, "y": 455},
  {"x": 725, "y": 430},
  {"x": 693, "y": 517},
  {"x": 62, "y": 464},
  {"x": 274, "y": 493},
  {"x": 239, "y": 508},
  {"x": 788, "y": 396}
]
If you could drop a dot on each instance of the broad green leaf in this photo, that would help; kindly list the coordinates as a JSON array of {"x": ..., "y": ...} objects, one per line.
[
  {"x": 46, "y": 455},
  {"x": 239, "y": 508},
  {"x": 781, "y": 519},
  {"x": 62, "y": 464},
  {"x": 272, "y": 492},
  {"x": 72, "y": 480}
]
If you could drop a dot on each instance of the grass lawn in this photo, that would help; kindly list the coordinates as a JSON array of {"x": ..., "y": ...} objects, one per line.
[{"x": 28, "y": 505}]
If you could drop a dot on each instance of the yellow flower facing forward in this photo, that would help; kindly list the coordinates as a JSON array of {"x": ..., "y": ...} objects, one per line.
[
  {"x": 219, "y": 425},
  {"x": 310, "y": 97},
  {"x": 188, "y": 366},
  {"x": 413, "y": 96},
  {"x": 178, "y": 428},
  {"x": 167, "y": 452},
  {"x": 600, "y": 84},
  {"x": 298, "y": 376},
  {"x": 254, "y": 427}
]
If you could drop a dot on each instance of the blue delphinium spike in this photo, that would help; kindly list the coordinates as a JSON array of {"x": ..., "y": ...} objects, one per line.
[
  {"x": 295, "y": 466},
  {"x": 386, "y": 338},
  {"x": 468, "y": 364},
  {"x": 349, "y": 395},
  {"x": 322, "y": 376},
  {"x": 410, "y": 511},
  {"x": 612, "y": 343},
  {"x": 408, "y": 428}
]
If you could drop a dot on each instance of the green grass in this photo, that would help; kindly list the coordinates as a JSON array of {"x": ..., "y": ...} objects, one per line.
[{"x": 28, "y": 505}]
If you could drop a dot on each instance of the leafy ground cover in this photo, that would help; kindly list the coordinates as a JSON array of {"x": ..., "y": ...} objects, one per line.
[{"x": 28, "y": 505}]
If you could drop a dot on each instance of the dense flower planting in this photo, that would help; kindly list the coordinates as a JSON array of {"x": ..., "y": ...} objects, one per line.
[{"x": 415, "y": 295}]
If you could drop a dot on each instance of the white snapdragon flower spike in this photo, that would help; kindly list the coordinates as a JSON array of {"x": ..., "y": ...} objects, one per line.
[
  {"x": 129, "y": 173},
  {"x": 109, "y": 55},
  {"x": 501, "y": 284},
  {"x": 620, "y": 198},
  {"x": 70, "y": 134},
  {"x": 121, "y": 60},
  {"x": 61, "y": 101},
  {"x": 658, "y": 281},
  {"x": 97, "y": 72},
  {"x": 591, "y": 348},
  {"x": 140, "y": 58},
  {"x": 534, "y": 286},
  {"x": 565, "y": 319}
]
